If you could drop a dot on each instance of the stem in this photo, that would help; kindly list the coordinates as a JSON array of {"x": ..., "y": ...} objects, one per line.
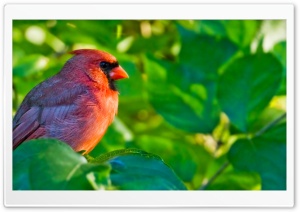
[
  {"x": 270, "y": 125},
  {"x": 88, "y": 158},
  {"x": 221, "y": 169}
]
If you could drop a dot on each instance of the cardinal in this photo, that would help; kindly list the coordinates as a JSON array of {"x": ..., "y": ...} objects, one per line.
[{"x": 75, "y": 106}]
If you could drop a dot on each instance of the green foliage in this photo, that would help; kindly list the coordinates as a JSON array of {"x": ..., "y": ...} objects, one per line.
[
  {"x": 48, "y": 164},
  {"x": 30, "y": 65},
  {"x": 205, "y": 100}
]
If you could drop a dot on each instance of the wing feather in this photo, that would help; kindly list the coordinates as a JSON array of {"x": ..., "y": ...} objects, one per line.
[{"x": 43, "y": 105}]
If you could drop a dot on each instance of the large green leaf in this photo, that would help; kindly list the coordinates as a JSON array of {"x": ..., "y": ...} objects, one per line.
[
  {"x": 184, "y": 104},
  {"x": 246, "y": 87},
  {"x": 48, "y": 164},
  {"x": 204, "y": 54},
  {"x": 134, "y": 169},
  {"x": 265, "y": 154}
]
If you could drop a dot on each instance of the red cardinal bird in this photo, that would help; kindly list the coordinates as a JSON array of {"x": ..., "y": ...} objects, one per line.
[{"x": 75, "y": 106}]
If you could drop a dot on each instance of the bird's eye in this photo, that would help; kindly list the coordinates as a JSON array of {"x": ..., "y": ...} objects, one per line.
[{"x": 104, "y": 65}]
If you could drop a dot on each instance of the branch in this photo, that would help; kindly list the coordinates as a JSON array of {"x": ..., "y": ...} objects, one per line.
[{"x": 221, "y": 169}]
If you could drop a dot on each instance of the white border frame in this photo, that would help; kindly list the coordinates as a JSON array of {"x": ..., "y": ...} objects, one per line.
[{"x": 147, "y": 198}]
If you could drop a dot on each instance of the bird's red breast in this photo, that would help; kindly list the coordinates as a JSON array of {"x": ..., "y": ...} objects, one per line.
[{"x": 76, "y": 105}]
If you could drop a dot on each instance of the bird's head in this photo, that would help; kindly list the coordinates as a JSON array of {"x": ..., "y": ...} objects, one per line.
[{"x": 98, "y": 65}]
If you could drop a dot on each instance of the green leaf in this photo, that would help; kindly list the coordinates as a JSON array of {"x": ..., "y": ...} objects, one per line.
[
  {"x": 246, "y": 87},
  {"x": 184, "y": 158},
  {"x": 241, "y": 32},
  {"x": 48, "y": 164},
  {"x": 134, "y": 169},
  {"x": 265, "y": 155},
  {"x": 279, "y": 50},
  {"x": 186, "y": 105},
  {"x": 205, "y": 54}
]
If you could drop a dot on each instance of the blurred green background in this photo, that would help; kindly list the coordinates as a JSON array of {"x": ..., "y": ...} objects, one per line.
[{"x": 207, "y": 96}]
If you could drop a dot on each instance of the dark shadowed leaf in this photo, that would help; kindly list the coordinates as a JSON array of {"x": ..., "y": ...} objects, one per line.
[
  {"x": 205, "y": 54},
  {"x": 134, "y": 169},
  {"x": 48, "y": 164},
  {"x": 247, "y": 86},
  {"x": 265, "y": 155}
]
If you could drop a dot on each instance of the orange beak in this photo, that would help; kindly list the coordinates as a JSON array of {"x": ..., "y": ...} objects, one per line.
[{"x": 118, "y": 73}]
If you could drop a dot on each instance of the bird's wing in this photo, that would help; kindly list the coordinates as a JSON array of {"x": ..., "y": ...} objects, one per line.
[{"x": 43, "y": 104}]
